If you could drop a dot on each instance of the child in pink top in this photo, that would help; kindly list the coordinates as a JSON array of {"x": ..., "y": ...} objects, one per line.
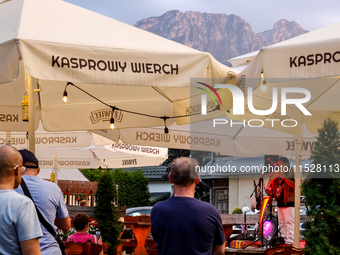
[
  {"x": 81, "y": 224},
  {"x": 82, "y": 237}
]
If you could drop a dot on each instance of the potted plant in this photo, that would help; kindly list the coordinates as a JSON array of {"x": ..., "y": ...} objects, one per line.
[
  {"x": 82, "y": 195},
  {"x": 65, "y": 194}
]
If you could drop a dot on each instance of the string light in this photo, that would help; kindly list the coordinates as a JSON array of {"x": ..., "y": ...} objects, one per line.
[
  {"x": 65, "y": 96},
  {"x": 264, "y": 86},
  {"x": 112, "y": 121},
  {"x": 264, "y": 83},
  {"x": 166, "y": 130}
]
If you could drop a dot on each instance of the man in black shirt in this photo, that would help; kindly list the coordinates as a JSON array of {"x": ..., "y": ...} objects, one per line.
[{"x": 182, "y": 224}]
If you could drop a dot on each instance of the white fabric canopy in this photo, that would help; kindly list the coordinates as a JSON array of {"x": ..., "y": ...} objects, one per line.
[
  {"x": 76, "y": 150},
  {"x": 63, "y": 174},
  {"x": 309, "y": 61},
  {"x": 95, "y": 157},
  {"x": 203, "y": 136},
  {"x": 57, "y": 42}
]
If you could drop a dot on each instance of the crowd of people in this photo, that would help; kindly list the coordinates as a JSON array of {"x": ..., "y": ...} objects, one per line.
[{"x": 32, "y": 209}]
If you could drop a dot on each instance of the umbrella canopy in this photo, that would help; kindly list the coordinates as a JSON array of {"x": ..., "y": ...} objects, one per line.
[
  {"x": 56, "y": 42},
  {"x": 238, "y": 140},
  {"x": 75, "y": 149},
  {"x": 95, "y": 157},
  {"x": 310, "y": 61},
  {"x": 63, "y": 174}
]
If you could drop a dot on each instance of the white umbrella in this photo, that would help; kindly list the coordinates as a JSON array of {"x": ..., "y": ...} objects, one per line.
[
  {"x": 238, "y": 140},
  {"x": 97, "y": 156},
  {"x": 56, "y": 42},
  {"x": 76, "y": 150}
]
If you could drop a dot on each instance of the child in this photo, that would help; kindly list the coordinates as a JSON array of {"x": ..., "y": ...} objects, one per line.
[{"x": 81, "y": 224}]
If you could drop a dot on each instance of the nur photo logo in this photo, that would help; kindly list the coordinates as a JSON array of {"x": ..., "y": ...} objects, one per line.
[
  {"x": 280, "y": 98},
  {"x": 204, "y": 97}
]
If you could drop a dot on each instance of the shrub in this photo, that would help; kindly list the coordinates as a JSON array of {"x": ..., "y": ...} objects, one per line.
[{"x": 237, "y": 210}]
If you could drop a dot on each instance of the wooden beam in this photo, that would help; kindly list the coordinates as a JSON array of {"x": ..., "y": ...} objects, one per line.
[
  {"x": 252, "y": 219},
  {"x": 89, "y": 210}
]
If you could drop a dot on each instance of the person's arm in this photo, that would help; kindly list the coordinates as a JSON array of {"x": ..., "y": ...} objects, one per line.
[
  {"x": 290, "y": 182},
  {"x": 30, "y": 247},
  {"x": 63, "y": 224},
  {"x": 219, "y": 249}
]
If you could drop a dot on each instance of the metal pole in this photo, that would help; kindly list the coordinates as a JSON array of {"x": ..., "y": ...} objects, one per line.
[
  {"x": 8, "y": 138},
  {"x": 56, "y": 170},
  {"x": 298, "y": 174},
  {"x": 31, "y": 129}
]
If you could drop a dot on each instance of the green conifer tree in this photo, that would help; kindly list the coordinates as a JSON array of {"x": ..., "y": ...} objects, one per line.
[
  {"x": 106, "y": 211},
  {"x": 322, "y": 191}
]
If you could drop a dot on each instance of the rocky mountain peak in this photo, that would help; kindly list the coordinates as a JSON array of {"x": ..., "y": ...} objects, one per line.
[
  {"x": 282, "y": 30},
  {"x": 224, "y": 36}
]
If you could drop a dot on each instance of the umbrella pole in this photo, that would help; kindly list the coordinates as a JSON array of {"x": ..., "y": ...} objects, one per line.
[
  {"x": 8, "y": 138},
  {"x": 31, "y": 130},
  {"x": 56, "y": 170},
  {"x": 298, "y": 174}
]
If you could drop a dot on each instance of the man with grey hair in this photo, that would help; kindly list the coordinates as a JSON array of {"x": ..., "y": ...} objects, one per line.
[
  {"x": 20, "y": 228},
  {"x": 182, "y": 224}
]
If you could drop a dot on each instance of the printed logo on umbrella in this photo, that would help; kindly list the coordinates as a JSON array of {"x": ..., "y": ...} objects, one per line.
[{"x": 204, "y": 96}]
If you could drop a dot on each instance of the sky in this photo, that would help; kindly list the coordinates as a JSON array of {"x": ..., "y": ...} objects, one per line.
[{"x": 261, "y": 14}]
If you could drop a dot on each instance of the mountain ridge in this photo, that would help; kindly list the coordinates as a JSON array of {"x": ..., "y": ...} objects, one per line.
[{"x": 224, "y": 36}]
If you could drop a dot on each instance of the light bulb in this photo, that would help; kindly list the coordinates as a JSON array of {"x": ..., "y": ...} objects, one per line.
[
  {"x": 112, "y": 123},
  {"x": 65, "y": 96},
  {"x": 264, "y": 86}
]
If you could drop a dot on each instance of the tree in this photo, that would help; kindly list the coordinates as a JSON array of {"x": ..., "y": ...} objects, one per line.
[
  {"x": 133, "y": 188},
  {"x": 322, "y": 191},
  {"x": 93, "y": 175},
  {"x": 106, "y": 211}
]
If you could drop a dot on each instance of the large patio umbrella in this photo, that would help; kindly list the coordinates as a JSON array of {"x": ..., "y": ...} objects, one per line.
[
  {"x": 97, "y": 156},
  {"x": 55, "y": 42},
  {"x": 310, "y": 61},
  {"x": 75, "y": 149},
  {"x": 237, "y": 140}
]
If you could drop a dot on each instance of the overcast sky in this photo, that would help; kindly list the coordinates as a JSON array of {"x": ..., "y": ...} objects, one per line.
[{"x": 261, "y": 14}]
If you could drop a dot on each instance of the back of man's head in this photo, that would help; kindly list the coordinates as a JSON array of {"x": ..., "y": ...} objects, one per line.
[
  {"x": 9, "y": 158},
  {"x": 30, "y": 162},
  {"x": 183, "y": 171}
]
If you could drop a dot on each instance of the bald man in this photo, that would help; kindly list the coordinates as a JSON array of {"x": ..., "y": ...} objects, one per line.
[
  {"x": 19, "y": 224},
  {"x": 182, "y": 224}
]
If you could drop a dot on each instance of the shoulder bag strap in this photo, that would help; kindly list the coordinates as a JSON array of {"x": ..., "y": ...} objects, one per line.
[{"x": 42, "y": 220}]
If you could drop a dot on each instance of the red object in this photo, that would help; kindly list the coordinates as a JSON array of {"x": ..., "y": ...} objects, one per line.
[
  {"x": 302, "y": 243},
  {"x": 240, "y": 244},
  {"x": 65, "y": 193}
]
